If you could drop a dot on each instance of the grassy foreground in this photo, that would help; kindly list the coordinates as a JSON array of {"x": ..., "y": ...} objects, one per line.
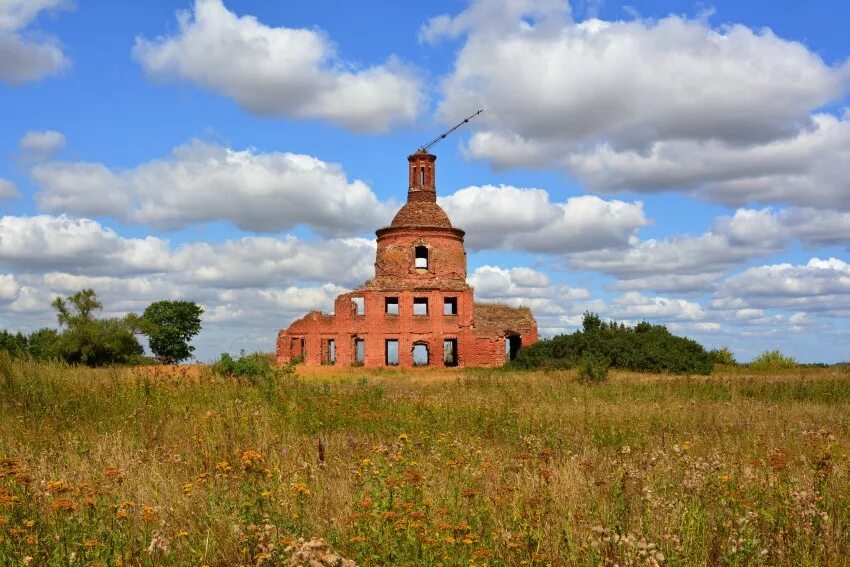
[{"x": 141, "y": 467}]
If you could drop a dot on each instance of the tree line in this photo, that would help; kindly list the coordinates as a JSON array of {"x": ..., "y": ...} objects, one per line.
[{"x": 85, "y": 338}]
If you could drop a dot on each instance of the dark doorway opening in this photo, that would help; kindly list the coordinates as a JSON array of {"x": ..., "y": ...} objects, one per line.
[
  {"x": 329, "y": 351},
  {"x": 450, "y": 352},
  {"x": 391, "y": 358},
  {"x": 359, "y": 352},
  {"x": 512, "y": 346}
]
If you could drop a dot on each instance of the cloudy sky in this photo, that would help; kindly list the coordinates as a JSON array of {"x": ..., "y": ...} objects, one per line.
[{"x": 680, "y": 162}]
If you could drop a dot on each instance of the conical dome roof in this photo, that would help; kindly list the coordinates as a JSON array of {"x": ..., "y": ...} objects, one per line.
[{"x": 421, "y": 213}]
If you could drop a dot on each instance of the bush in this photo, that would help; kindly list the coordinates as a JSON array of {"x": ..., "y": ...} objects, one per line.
[
  {"x": 723, "y": 356},
  {"x": 254, "y": 366},
  {"x": 772, "y": 360},
  {"x": 593, "y": 369},
  {"x": 643, "y": 348}
]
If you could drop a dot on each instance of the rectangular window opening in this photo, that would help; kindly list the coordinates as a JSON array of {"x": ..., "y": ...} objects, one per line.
[
  {"x": 422, "y": 176},
  {"x": 421, "y": 257},
  {"x": 450, "y": 352},
  {"x": 450, "y": 306},
  {"x": 420, "y": 305},
  {"x": 391, "y": 305},
  {"x": 392, "y": 352},
  {"x": 359, "y": 305},
  {"x": 328, "y": 351},
  {"x": 359, "y": 351}
]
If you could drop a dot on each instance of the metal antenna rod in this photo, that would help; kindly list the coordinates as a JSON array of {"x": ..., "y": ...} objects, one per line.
[{"x": 428, "y": 146}]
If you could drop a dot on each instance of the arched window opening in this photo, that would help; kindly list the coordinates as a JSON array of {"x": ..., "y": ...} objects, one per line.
[
  {"x": 512, "y": 346},
  {"x": 420, "y": 354},
  {"x": 421, "y": 176},
  {"x": 421, "y": 257}
]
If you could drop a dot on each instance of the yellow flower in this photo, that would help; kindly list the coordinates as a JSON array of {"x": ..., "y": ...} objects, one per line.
[
  {"x": 182, "y": 533},
  {"x": 63, "y": 505},
  {"x": 122, "y": 514},
  {"x": 356, "y": 539},
  {"x": 252, "y": 461},
  {"x": 58, "y": 487},
  {"x": 148, "y": 514},
  {"x": 404, "y": 437},
  {"x": 300, "y": 488}
]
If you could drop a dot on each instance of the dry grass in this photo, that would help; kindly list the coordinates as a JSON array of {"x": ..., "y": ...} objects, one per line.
[{"x": 183, "y": 467}]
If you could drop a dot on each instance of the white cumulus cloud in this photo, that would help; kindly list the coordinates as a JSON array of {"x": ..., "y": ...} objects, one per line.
[
  {"x": 24, "y": 59},
  {"x": 293, "y": 72},
  {"x": 649, "y": 104},
  {"x": 204, "y": 182},
  {"x": 513, "y": 218}
]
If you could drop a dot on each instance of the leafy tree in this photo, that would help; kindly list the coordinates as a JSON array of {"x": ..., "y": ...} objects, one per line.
[
  {"x": 14, "y": 343},
  {"x": 91, "y": 341},
  {"x": 170, "y": 325},
  {"x": 44, "y": 344}
]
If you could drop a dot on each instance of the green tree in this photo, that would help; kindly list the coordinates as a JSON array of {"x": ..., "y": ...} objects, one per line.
[
  {"x": 170, "y": 325},
  {"x": 14, "y": 343},
  {"x": 91, "y": 341},
  {"x": 44, "y": 344}
]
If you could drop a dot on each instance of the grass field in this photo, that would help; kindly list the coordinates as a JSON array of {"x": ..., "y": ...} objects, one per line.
[{"x": 184, "y": 467}]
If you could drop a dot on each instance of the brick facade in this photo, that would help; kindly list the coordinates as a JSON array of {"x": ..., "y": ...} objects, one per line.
[{"x": 418, "y": 300}]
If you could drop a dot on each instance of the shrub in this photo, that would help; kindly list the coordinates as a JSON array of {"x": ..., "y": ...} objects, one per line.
[
  {"x": 723, "y": 356},
  {"x": 643, "y": 348},
  {"x": 593, "y": 369},
  {"x": 772, "y": 360},
  {"x": 254, "y": 366}
]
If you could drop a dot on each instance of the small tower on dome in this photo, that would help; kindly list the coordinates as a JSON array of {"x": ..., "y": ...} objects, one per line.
[{"x": 422, "y": 185}]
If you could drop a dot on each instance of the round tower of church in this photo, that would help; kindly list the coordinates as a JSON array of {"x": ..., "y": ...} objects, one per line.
[{"x": 421, "y": 244}]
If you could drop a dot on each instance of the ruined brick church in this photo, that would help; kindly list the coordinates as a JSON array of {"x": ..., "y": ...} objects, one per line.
[{"x": 418, "y": 309}]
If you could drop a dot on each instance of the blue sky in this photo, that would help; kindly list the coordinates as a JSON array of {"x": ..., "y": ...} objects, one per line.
[{"x": 680, "y": 162}]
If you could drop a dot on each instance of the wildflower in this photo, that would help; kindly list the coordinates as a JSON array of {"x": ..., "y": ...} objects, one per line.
[
  {"x": 356, "y": 539},
  {"x": 113, "y": 473},
  {"x": 182, "y": 533},
  {"x": 27, "y": 560},
  {"x": 365, "y": 502},
  {"x": 300, "y": 489},
  {"x": 222, "y": 466},
  {"x": 62, "y": 505},
  {"x": 403, "y": 437},
  {"x": 92, "y": 543},
  {"x": 29, "y": 523},
  {"x": 187, "y": 488},
  {"x": 58, "y": 487},
  {"x": 148, "y": 514},
  {"x": 252, "y": 461},
  {"x": 121, "y": 514}
]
